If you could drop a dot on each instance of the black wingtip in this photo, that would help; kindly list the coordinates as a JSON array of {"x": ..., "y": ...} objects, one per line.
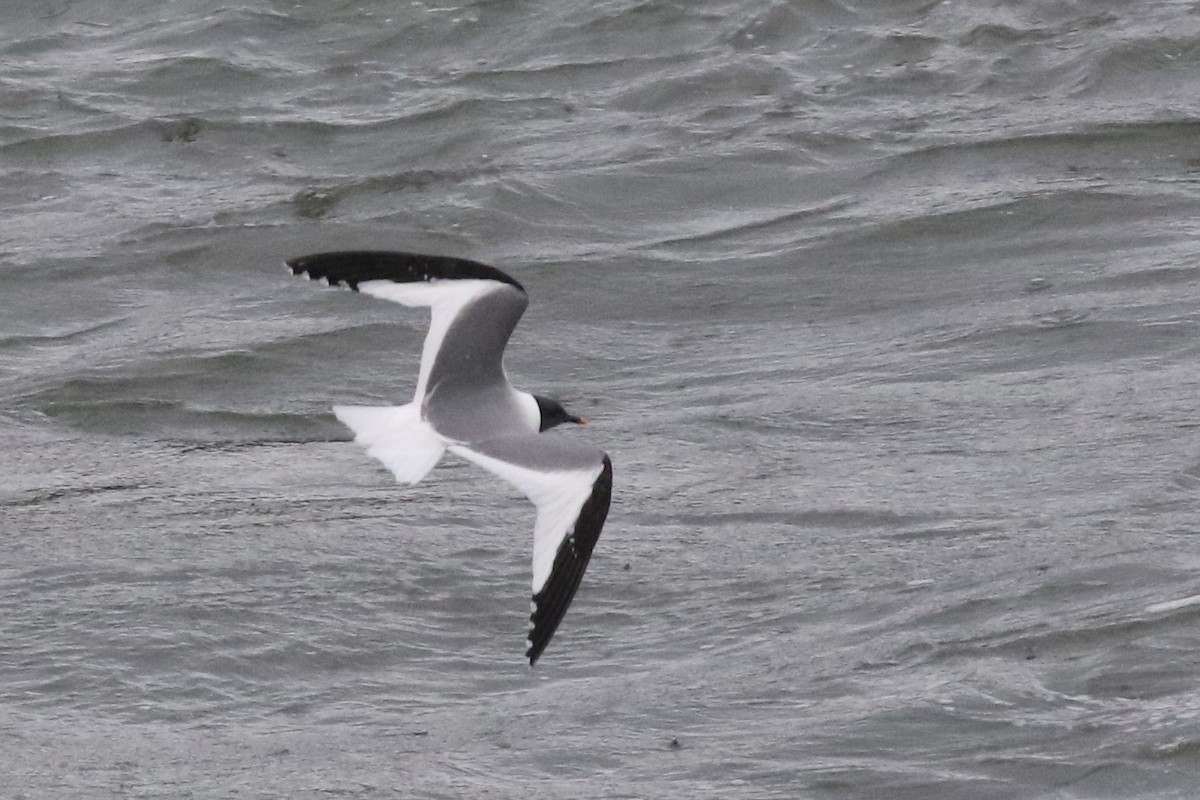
[
  {"x": 332, "y": 268},
  {"x": 352, "y": 267},
  {"x": 550, "y": 604}
]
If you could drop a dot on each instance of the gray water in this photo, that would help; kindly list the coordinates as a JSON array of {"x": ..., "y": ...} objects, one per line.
[{"x": 887, "y": 314}]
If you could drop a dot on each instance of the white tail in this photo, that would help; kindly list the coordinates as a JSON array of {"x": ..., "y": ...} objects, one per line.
[{"x": 397, "y": 436}]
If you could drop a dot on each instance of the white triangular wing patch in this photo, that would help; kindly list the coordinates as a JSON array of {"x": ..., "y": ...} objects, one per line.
[
  {"x": 557, "y": 494},
  {"x": 444, "y": 298}
]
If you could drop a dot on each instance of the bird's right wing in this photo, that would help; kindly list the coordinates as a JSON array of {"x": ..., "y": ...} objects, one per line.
[
  {"x": 571, "y": 485},
  {"x": 474, "y": 307}
]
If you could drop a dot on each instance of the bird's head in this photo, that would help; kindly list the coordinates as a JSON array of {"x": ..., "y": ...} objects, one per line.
[{"x": 553, "y": 414}]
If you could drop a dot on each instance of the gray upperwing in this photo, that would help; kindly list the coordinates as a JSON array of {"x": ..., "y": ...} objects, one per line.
[{"x": 472, "y": 351}]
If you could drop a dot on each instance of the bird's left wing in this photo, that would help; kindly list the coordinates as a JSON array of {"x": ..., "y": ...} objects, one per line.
[
  {"x": 474, "y": 307},
  {"x": 571, "y": 485}
]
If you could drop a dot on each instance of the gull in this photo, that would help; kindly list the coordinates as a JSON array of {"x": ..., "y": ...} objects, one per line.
[{"x": 464, "y": 403}]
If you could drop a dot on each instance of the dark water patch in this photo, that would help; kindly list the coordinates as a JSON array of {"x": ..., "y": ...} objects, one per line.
[
  {"x": 986, "y": 253},
  {"x": 1189, "y": 477},
  {"x": 618, "y": 21},
  {"x": 1150, "y": 277},
  {"x": 1148, "y": 680},
  {"x": 42, "y": 270},
  {"x": 110, "y": 136},
  {"x": 1011, "y": 230},
  {"x": 999, "y": 37},
  {"x": 317, "y": 202},
  {"x": 834, "y": 518},
  {"x": 758, "y": 200},
  {"x": 1162, "y": 64},
  {"x": 186, "y": 129},
  {"x": 41, "y": 497},
  {"x": 178, "y": 421},
  {"x": 1021, "y": 196},
  {"x": 575, "y": 77},
  {"x": 206, "y": 383},
  {"x": 209, "y": 79},
  {"x": 953, "y": 532},
  {"x": 148, "y": 163},
  {"x": 1091, "y": 616},
  {"x": 31, "y": 187},
  {"x": 750, "y": 88},
  {"x": 776, "y": 27},
  {"x": 1061, "y": 160},
  {"x": 32, "y": 45},
  {"x": 236, "y": 446},
  {"x": 314, "y": 203},
  {"x": 235, "y": 32},
  {"x": 773, "y": 223},
  {"x": 59, "y": 337},
  {"x": 1061, "y": 338},
  {"x": 772, "y": 424}
]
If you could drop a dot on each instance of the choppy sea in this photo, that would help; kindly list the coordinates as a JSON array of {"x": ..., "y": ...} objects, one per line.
[{"x": 887, "y": 313}]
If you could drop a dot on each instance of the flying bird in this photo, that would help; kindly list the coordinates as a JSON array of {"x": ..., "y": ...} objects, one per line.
[{"x": 464, "y": 403}]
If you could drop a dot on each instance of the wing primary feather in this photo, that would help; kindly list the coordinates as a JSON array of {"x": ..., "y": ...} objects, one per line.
[
  {"x": 550, "y": 603},
  {"x": 352, "y": 267}
]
